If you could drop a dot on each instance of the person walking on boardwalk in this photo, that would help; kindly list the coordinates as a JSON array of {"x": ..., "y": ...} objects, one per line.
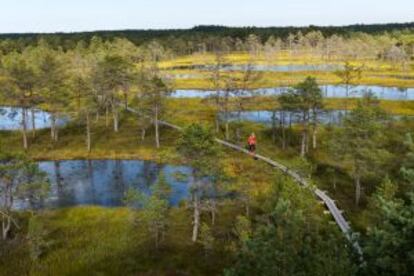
[{"x": 251, "y": 144}]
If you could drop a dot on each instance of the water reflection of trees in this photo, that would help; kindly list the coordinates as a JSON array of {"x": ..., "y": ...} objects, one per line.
[{"x": 104, "y": 182}]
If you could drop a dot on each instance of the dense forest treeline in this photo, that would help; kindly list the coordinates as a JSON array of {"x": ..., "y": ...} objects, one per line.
[{"x": 186, "y": 41}]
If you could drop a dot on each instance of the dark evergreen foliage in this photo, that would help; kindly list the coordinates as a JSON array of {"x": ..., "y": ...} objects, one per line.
[{"x": 187, "y": 40}]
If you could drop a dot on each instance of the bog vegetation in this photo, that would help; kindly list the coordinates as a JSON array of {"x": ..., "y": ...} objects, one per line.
[{"x": 241, "y": 217}]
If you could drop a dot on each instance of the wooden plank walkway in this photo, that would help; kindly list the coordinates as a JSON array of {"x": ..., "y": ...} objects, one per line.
[{"x": 328, "y": 202}]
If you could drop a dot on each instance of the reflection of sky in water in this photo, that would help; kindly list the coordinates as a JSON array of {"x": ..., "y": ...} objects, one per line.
[
  {"x": 333, "y": 117},
  {"x": 329, "y": 91},
  {"x": 288, "y": 117},
  {"x": 11, "y": 119},
  {"x": 105, "y": 182}
]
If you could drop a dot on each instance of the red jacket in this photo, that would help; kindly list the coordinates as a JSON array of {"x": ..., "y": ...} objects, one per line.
[{"x": 251, "y": 140}]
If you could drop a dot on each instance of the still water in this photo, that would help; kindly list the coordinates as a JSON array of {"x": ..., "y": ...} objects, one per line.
[
  {"x": 11, "y": 118},
  {"x": 329, "y": 91},
  {"x": 286, "y": 117},
  {"x": 325, "y": 117},
  {"x": 105, "y": 182}
]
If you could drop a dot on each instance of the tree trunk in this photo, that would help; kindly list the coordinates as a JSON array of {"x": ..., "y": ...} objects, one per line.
[
  {"x": 314, "y": 141},
  {"x": 307, "y": 142},
  {"x": 357, "y": 190},
  {"x": 88, "y": 132},
  {"x": 227, "y": 131},
  {"x": 303, "y": 144},
  {"x": 52, "y": 127},
  {"x": 126, "y": 100},
  {"x": 107, "y": 116},
  {"x": 6, "y": 225},
  {"x": 196, "y": 217},
  {"x": 33, "y": 122},
  {"x": 305, "y": 138},
  {"x": 157, "y": 138},
  {"x": 143, "y": 131},
  {"x": 56, "y": 133},
  {"x": 55, "y": 130},
  {"x": 116, "y": 121},
  {"x": 274, "y": 127},
  {"x": 282, "y": 124},
  {"x": 247, "y": 209},
  {"x": 218, "y": 109},
  {"x": 24, "y": 128},
  {"x": 213, "y": 212}
]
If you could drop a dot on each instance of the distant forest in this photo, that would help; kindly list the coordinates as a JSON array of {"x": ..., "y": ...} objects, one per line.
[{"x": 183, "y": 41}]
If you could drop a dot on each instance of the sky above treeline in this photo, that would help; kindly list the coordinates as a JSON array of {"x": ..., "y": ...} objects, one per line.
[{"x": 18, "y": 16}]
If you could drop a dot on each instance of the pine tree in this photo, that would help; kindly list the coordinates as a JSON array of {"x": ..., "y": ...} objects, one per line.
[{"x": 359, "y": 143}]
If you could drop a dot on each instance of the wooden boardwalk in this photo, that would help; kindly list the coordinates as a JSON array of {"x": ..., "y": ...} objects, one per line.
[{"x": 328, "y": 202}]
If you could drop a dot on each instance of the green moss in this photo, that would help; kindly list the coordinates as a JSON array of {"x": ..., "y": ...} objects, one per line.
[{"x": 103, "y": 241}]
